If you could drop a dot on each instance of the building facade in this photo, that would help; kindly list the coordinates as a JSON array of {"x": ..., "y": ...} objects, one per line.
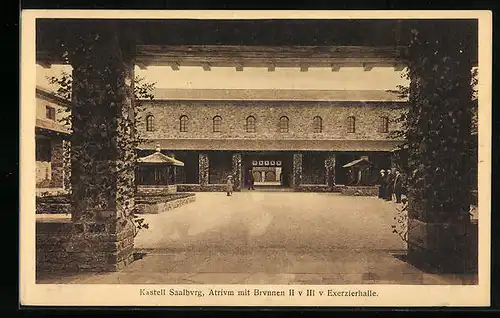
[
  {"x": 294, "y": 139},
  {"x": 51, "y": 142}
]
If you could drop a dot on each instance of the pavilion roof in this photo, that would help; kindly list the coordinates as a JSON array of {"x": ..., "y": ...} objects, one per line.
[
  {"x": 357, "y": 162},
  {"x": 159, "y": 158}
]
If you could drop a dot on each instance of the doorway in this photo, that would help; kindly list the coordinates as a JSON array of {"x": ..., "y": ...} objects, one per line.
[{"x": 270, "y": 170}]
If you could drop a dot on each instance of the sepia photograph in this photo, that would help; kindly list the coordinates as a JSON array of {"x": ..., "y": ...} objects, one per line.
[{"x": 265, "y": 158}]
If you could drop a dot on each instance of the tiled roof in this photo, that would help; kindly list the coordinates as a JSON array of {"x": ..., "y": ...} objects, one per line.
[
  {"x": 355, "y": 163},
  {"x": 160, "y": 158},
  {"x": 276, "y": 94}
]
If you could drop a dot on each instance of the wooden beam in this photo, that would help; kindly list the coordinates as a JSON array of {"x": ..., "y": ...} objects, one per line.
[
  {"x": 367, "y": 67},
  {"x": 175, "y": 66},
  {"x": 44, "y": 64},
  {"x": 141, "y": 65},
  {"x": 206, "y": 67},
  {"x": 399, "y": 67}
]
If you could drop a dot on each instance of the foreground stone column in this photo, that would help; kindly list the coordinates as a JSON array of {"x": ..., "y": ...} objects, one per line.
[
  {"x": 440, "y": 232},
  {"x": 330, "y": 169},
  {"x": 102, "y": 152},
  {"x": 297, "y": 170},
  {"x": 203, "y": 169},
  {"x": 237, "y": 173}
]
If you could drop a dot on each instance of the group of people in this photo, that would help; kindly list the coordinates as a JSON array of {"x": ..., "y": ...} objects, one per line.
[{"x": 390, "y": 184}]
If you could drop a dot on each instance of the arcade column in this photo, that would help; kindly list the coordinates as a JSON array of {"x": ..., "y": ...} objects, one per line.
[
  {"x": 203, "y": 168},
  {"x": 330, "y": 169},
  {"x": 101, "y": 234},
  {"x": 237, "y": 172},
  {"x": 297, "y": 170}
]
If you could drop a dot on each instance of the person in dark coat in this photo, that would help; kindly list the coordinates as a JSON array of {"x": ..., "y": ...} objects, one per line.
[
  {"x": 398, "y": 186},
  {"x": 389, "y": 181},
  {"x": 251, "y": 180},
  {"x": 381, "y": 183}
]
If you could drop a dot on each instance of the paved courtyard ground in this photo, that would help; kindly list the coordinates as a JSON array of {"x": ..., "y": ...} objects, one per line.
[{"x": 269, "y": 238}]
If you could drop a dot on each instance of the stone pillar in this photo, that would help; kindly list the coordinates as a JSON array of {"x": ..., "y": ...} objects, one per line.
[
  {"x": 441, "y": 235},
  {"x": 67, "y": 165},
  {"x": 330, "y": 169},
  {"x": 102, "y": 149},
  {"x": 203, "y": 169},
  {"x": 237, "y": 173},
  {"x": 57, "y": 163},
  {"x": 297, "y": 170},
  {"x": 278, "y": 173}
]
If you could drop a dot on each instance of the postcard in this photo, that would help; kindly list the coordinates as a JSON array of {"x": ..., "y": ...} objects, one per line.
[{"x": 255, "y": 158}]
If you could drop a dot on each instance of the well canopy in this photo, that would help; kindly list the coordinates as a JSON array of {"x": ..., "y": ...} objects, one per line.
[
  {"x": 159, "y": 158},
  {"x": 363, "y": 162}
]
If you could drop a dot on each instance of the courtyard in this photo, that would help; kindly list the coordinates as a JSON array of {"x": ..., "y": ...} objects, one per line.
[{"x": 256, "y": 237}]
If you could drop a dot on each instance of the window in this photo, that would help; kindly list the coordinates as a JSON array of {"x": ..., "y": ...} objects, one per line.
[
  {"x": 217, "y": 123},
  {"x": 384, "y": 124},
  {"x": 250, "y": 124},
  {"x": 150, "y": 123},
  {"x": 317, "y": 124},
  {"x": 50, "y": 112},
  {"x": 351, "y": 124},
  {"x": 183, "y": 123},
  {"x": 284, "y": 124}
]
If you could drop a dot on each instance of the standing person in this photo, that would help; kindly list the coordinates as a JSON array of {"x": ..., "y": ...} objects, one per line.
[
  {"x": 389, "y": 181},
  {"x": 229, "y": 185},
  {"x": 398, "y": 186},
  {"x": 251, "y": 180},
  {"x": 381, "y": 183}
]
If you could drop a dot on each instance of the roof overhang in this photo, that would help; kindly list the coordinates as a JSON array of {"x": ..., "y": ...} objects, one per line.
[
  {"x": 241, "y": 42},
  {"x": 271, "y": 145},
  {"x": 271, "y": 57}
]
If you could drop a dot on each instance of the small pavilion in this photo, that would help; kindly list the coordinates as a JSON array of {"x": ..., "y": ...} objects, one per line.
[
  {"x": 157, "y": 170},
  {"x": 359, "y": 172}
]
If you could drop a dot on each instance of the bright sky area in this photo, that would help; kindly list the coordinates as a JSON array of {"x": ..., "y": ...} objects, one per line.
[{"x": 349, "y": 78}]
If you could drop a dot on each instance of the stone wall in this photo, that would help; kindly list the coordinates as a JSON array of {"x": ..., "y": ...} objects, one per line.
[
  {"x": 156, "y": 190},
  {"x": 316, "y": 188},
  {"x": 435, "y": 246},
  {"x": 359, "y": 190},
  {"x": 158, "y": 207},
  {"x": 68, "y": 246},
  {"x": 201, "y": 188},
  {"x": 267, "y": 114}
]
